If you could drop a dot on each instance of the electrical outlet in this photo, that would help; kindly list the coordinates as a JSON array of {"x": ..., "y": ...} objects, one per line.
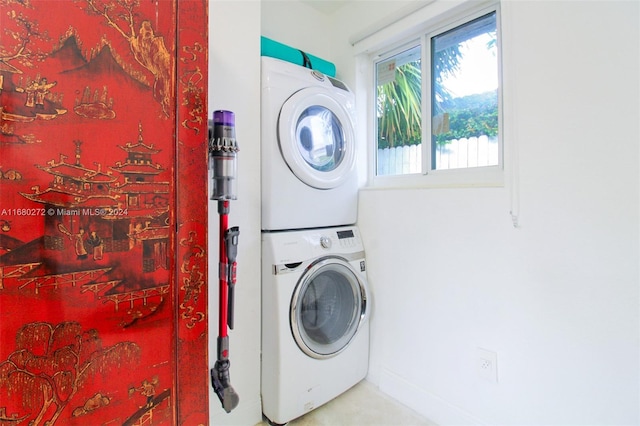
[{"x": 487, "y": 363}]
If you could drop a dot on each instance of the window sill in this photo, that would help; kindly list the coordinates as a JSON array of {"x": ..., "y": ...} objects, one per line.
[{"x": 481, "y": 177}]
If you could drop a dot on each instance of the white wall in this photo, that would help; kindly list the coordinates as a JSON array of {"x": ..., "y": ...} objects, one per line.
[
  {"x": 297, "y": 25},
  {"x": 556, "y": 298},
  {"x": 234, "y": 84}
]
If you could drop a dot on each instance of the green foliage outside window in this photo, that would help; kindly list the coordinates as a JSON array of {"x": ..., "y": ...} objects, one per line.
[
  {"x": 471, "y": 116},
  {"x": 399, "y": 106}
]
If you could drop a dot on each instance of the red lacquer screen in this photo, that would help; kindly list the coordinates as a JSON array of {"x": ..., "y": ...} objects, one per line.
[{"x": 103, "y": 212}]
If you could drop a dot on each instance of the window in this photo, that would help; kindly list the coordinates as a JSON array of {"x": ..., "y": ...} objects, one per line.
[{"x": 437, "y": 101}]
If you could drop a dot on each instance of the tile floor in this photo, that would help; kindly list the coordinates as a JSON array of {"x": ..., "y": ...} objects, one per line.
[{"x": 362, "y": 405}]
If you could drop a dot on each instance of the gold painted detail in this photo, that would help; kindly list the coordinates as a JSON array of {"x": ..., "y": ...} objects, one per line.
[
  {"x": 52, "y": 363},
  {"x": 193, "y": 91},
  {"x": 192, "y": 280}
]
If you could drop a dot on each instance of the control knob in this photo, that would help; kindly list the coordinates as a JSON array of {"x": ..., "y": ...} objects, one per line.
[{"x": 325, "y": 242}]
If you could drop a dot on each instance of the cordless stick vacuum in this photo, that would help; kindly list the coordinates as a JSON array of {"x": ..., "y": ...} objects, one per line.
[{"x": 222, "y": 159}]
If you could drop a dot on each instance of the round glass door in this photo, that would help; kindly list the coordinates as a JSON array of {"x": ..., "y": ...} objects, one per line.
[
  {"x": 316, "y": 138},
  {"x": 327, "y": 308},
  {"x": 320, "y": 138}
]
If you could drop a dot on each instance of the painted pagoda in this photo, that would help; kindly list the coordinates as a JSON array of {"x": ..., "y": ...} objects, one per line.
[{"x": 96, "y": 221}]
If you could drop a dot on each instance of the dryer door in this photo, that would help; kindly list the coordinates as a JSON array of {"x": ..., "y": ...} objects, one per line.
[
  {"x": 316, "y": 138},
  {"x": 327, "y": 308}
]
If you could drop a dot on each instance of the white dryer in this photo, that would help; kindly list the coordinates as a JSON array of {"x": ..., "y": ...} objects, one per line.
[
  {"x": 308, "y": 149},
  {"x": 315, "y": 328}
]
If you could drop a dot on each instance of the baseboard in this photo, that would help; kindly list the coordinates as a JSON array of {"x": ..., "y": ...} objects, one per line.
[{"x": 425, "y": 403}]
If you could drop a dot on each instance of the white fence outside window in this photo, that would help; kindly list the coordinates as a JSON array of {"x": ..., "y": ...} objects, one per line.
[{"x": 457, "y": 153}]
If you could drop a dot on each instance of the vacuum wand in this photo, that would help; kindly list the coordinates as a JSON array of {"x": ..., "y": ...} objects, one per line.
[{"x": 222, "y": 159}]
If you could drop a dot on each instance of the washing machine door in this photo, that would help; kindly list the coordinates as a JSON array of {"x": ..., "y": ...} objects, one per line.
[
  {"x": 316, "y": 137},
  {"x": 327, "y": 308}
]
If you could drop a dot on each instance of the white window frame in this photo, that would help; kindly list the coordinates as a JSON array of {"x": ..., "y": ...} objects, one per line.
[{"x": 484, "y": 176}]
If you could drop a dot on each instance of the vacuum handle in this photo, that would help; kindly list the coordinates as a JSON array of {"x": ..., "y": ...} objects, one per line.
[
  {"x": 231, "y": 248},
  {"x": 231, "y": 243}
]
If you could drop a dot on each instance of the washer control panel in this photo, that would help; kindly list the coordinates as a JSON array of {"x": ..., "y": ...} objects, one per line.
[
  {"x": 291, "y": 247},
  {"x": 343, "y": 238}
]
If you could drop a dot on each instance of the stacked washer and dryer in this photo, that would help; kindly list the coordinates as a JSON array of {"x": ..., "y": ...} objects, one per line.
[{"x": 315, "y": 330}]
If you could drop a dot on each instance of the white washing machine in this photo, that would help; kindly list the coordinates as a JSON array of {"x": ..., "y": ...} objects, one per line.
[
  {"x": 308, "y": 149},
  {"x": 315, "y": 328}
]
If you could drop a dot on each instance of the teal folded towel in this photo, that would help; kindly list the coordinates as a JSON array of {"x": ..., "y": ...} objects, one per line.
[{"x": 278, "y": 50}]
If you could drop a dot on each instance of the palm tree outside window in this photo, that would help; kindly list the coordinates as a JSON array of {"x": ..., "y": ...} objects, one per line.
[{"x": 440, "y": 112}]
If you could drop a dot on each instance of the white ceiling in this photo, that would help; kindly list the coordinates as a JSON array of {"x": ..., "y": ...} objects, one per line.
[{"x": 326, "y": 6}]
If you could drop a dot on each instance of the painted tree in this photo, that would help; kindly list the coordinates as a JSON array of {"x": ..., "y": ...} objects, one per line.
[
  {"x": 148, "y": 49},
  {"x": 21, "y": 34},
  {"x": 52, "y": 363}
]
